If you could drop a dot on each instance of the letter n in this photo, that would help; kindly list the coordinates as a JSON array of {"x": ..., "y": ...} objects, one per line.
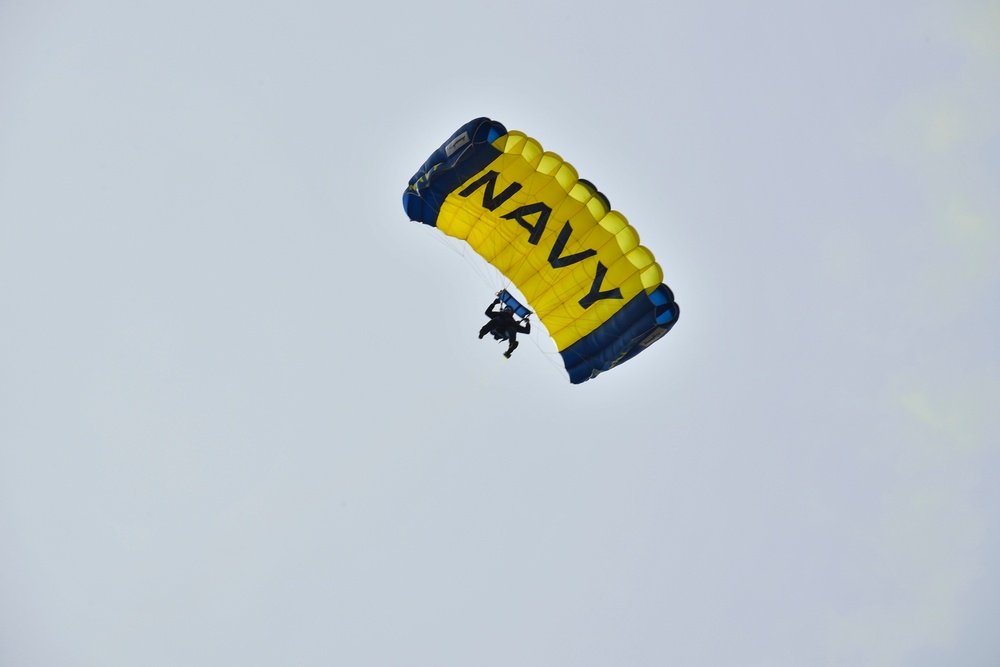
[{"x": 490, "y": 200}]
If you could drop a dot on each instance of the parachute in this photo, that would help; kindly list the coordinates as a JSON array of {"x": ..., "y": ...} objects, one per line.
[{"x": 577, "y": 262}]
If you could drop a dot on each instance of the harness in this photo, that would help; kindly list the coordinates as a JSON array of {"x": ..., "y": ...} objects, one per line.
[{"x": 502, "y": 329}]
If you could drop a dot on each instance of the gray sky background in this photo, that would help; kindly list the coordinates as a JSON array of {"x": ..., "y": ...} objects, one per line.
[{"x": 245, "y": 419}]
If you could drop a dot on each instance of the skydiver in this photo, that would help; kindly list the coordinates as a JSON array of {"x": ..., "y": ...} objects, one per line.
[{"x": 503, "y": 326}]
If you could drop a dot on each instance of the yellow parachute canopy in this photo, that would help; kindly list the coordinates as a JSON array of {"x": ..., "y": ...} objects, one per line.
[{"x": 578, "y": 263}]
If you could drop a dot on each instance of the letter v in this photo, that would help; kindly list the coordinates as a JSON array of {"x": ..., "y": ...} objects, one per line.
[{"x": 555, "y": 256}]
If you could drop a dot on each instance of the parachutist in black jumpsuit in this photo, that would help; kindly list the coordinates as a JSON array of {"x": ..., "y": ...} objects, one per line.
[{"x": 502, "y": 324}]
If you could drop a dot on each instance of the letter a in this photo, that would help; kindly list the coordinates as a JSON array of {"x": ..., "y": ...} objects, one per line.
[{"x": 540, "y": 208}]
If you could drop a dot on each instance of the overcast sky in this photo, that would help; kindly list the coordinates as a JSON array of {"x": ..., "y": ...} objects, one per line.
[{"x": 245, "y": 419}]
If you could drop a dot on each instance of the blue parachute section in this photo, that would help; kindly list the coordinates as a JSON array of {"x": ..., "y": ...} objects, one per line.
[
  {"x": 464, "y": 154},
  {"x": 642, "y": 322}
]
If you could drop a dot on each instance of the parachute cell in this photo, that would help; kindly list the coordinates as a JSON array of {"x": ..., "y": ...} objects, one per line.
[{"x": 578, "y": 262}]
